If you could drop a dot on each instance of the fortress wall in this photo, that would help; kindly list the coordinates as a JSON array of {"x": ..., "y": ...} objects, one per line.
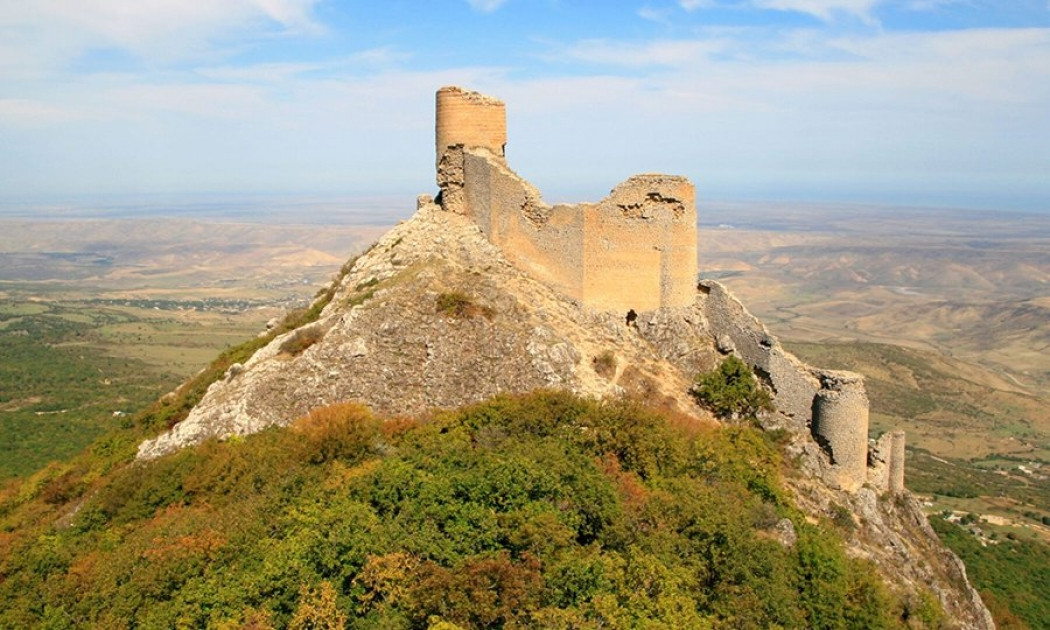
[
  {"x": 886, "y": 463},
  {"x": 831, "y": 406},
  {"x": 546, "y": 242},
  {"x": 840, "y": 426},
  {"x": 636, "y": 249},
  {"x": 640, "y": 245},
  {"x": 794, "y": 386},
  {"x": 471, "y": 120}
]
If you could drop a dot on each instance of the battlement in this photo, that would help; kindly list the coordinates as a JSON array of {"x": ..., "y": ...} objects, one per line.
[{"x": 634, "y": 250}]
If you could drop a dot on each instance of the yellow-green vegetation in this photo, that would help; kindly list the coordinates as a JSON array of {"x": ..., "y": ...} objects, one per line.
[
  {"x": 731, "y": 391},
  {"x": 59, "y": 387},
  {"x": 543, "y": 510},
  {"x": 70, "y": 371},
  {"x": 459, "y": 304}
]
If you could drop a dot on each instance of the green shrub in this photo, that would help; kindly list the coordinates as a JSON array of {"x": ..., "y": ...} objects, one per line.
[{"x": 732, "y": 391}]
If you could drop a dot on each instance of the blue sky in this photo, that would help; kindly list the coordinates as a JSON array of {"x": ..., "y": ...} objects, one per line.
[{"x": 940, "y": 102}]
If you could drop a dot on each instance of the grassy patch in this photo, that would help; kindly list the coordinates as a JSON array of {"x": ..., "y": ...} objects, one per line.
[
  {"x": 460, "y": 305},
  {"x": 605, "y": 364}
]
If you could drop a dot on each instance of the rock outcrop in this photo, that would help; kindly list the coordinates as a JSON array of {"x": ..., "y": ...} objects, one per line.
[{"x": 463, "y": 302}]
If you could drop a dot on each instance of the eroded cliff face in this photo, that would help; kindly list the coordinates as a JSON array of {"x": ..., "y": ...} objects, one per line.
[{"x": 434, "y": 315}]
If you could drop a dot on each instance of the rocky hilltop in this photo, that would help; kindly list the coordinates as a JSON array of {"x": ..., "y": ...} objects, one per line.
[{"x": 488, "y": 290}]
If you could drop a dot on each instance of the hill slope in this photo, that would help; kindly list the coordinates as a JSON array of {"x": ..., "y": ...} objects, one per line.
[{"x": 540, "y": 511}]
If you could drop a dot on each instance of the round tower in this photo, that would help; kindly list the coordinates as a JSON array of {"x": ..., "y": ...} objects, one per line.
[
  {"x": 471, "y": 120},
  {"x": 840, "y": 425}
]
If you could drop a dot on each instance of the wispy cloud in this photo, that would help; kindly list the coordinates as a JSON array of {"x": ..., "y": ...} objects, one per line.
[
  {"x": 693, "y": 5},
  {"x": 45, "y": 34},
  {"x": 660, "y": 16},
  {"x": 825, "y": 10},
  {"x": 673, "y": 53},
  {"x": 486, "y": 6}
]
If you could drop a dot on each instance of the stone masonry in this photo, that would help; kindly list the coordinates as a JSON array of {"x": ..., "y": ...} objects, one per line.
[
  {"x": 832, "y": 406},
  {"x": 634, "y": 250}
]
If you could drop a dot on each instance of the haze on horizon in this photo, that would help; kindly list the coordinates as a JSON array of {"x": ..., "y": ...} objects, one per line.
[{"x": 917, "y": 102}]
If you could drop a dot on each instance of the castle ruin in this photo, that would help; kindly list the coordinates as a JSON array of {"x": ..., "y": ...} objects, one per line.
[{"x": 636, "y": 251}]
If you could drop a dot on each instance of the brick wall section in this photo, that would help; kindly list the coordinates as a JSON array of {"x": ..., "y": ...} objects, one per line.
[
  {"x": 640, "y": 245},
  {"x": 793, "y": 383}
]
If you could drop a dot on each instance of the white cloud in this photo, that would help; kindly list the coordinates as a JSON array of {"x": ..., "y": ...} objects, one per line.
[
  {"x": 693, "y": 5},
  {"x": 930, "y": 5},
  {"x": 486, "y": 6},
  {"x": 676, "y": 53},
  {"x": 825, "y": 10},
  {"x": 43, "y": 35},
  {"x": 660, "y": 16},
  {"x": 822, "y": 9}
]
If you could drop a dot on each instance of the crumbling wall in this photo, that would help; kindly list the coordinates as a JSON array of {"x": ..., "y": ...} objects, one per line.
[
  {"x": 737, "y": 330},
  {"x": 544, "y": 241},
  {"x": 830, "y": 406},
  {"x": 886, "y": 463},
  {"x": 635, "y": 250},
  {"x": 640, "y": 245}
]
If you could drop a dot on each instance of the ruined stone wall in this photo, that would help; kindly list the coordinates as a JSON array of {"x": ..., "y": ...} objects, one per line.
[
  {"x": 895, "y": 481},
  {"x": 831, "y": 406},
  {"x": 886, "y": 463},
  {"x": 737, "y": 330},
  {"x": 640, "y": 245},
  {"x": 636, "y": 249},
  {"x": 470, "y": 120},
  {"x": 545, "y": 241}
]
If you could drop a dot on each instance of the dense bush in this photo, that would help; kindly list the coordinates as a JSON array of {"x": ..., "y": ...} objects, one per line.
[
  {"x": 732, "y": 391},
  {"x": 544, "y": 510}
]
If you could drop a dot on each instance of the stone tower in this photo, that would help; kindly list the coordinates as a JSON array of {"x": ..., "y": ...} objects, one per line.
[
  {"x": 470, "y": 120},
  {"x": 840, "y": 425}
]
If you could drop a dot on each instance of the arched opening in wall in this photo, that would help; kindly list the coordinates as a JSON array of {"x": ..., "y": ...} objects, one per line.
[{"x": 632, "y": 317}]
